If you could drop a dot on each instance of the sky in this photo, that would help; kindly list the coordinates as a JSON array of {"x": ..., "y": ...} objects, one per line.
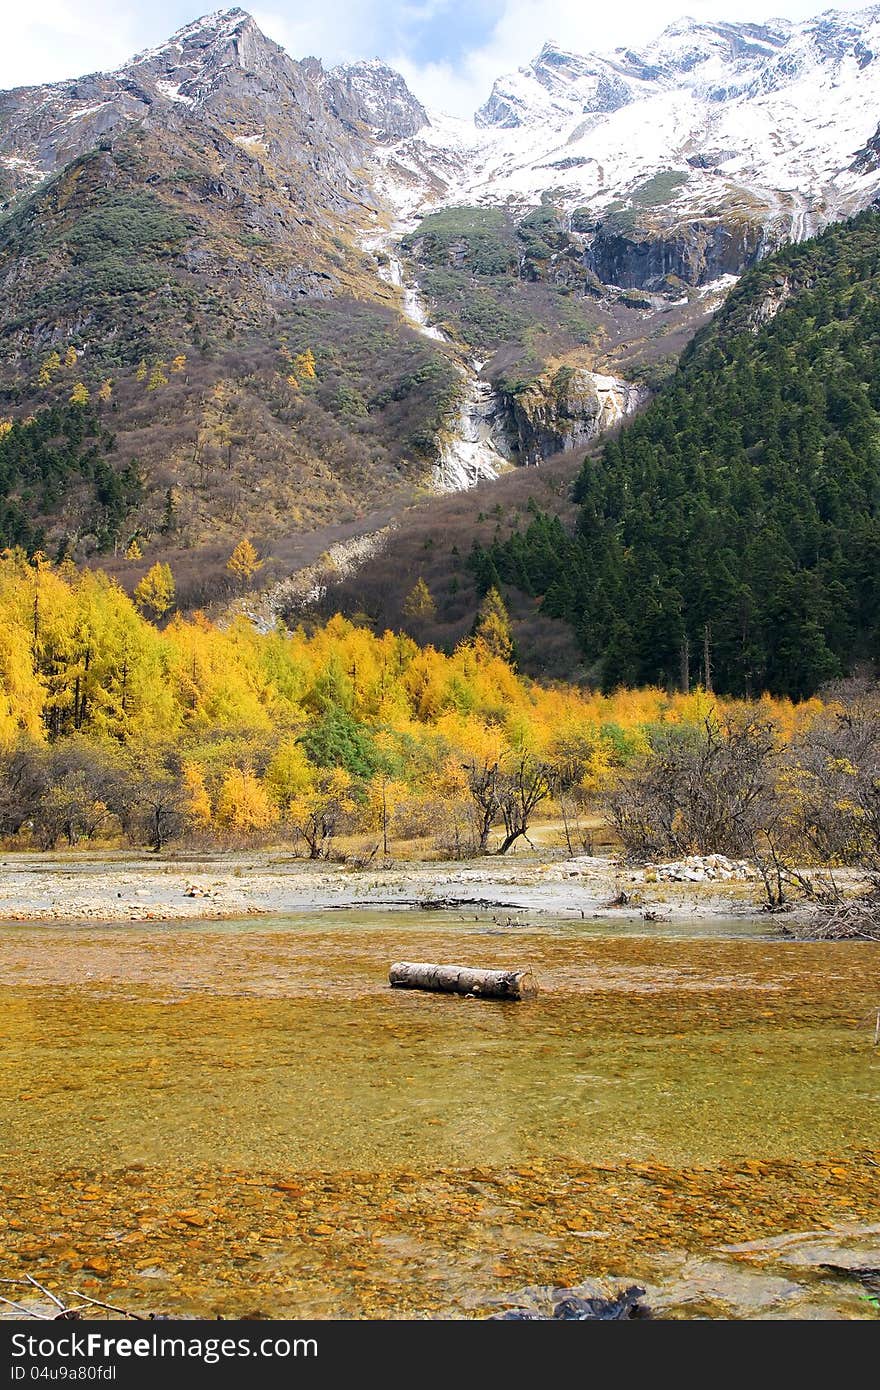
[{"x": 450, "y": 51}]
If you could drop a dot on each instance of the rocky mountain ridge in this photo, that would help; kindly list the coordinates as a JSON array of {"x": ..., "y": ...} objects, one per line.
[
  {"x": 753, "y": 134},
  {"x": 472, "y": 295}
]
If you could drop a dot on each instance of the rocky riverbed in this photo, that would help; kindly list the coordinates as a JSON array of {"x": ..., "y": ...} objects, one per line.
[
  {"x": 124, "y": 888},
  {"x": 242, "y": 1118}
]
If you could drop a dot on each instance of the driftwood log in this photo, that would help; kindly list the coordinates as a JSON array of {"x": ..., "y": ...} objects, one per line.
[{"x": 462, "y": 979}]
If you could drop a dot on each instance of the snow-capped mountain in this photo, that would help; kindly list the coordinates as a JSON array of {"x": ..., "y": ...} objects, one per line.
[
  {"x": 767, "y": 120},
  {"x": 770, "y": 125},
  {"x": 219, "y": 202}
]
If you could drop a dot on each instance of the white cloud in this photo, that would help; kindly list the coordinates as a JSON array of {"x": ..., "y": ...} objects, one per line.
[{"x": 55, "y": 39}]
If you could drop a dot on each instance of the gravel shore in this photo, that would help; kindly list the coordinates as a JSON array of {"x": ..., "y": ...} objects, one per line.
[{"x": 124, "y": 888}]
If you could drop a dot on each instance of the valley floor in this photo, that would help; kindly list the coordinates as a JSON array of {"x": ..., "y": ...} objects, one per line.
[{"x": 120, "y": 887}]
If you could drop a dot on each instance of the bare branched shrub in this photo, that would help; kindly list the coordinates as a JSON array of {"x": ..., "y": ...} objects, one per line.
[
  {"x": 22, "y": 784},
  {"x": 455, "y": 836},
  {"x": 836, "y": 779},
  {"x": 845, "y": 918},
  {"x": 703, "y": 790}
]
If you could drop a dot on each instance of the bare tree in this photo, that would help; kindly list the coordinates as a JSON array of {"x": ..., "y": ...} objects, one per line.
[
  {"x": 525, "y": 782},
  {"x": 836, "y": 774},
  {"x": 704, "y": 790},
  {"x": 483, "y": 777}
]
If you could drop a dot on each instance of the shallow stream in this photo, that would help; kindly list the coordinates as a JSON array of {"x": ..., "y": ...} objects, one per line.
[{"x": 242, "y": 1117}]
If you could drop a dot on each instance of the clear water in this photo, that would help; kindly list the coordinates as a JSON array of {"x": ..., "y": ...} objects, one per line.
[{"x": 243, "y": 1117}]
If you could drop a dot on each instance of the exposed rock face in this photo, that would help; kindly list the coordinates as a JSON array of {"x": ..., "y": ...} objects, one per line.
[
  {"x": 777, "y": 295},
  {"x": 566, "y": 409},
  {"x": 475, "y": 446},
  {"x": 375, "y": 96},
  {"x": 867, "y": 161},
  {"x": 220, "y": 78},
  {"x": 695, "y": 252}
]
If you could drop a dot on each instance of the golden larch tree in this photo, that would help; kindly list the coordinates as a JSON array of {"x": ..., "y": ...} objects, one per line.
[
  {"x": 196, "y": 801},
  {"x": 155, "y": 592},
  {"x": 244, "y": 803},
  {"x": 51, "y": 365},
  {"x": 304, "y": 365},
  {"x": 158, "y": 377},
  {"x": 244, "y": 561},
  {"x": 419, "y": 602},
  {"x": 492, "y": 628}
]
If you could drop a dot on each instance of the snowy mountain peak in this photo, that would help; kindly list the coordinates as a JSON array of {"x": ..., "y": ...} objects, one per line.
[
  {"x": 373, "y": 94},
  {"x": 195, "y": 44},
  {"x": 688, "y": 44},
  {"x": 188, "y": 66},
  {"x": 768, "y": 127},
  {"x": 555, "y": 84},
  {"x": 220, "y": 25},
  {"x": 720, "y": 60}
]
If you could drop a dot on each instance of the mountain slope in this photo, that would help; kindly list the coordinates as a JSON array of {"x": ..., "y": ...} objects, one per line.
[
  {"x": 751, "y": 131},
  {"x": 196, "y": 234},
  {"x": 739, "y": 516},
  {"x": 276, "y": 299}
]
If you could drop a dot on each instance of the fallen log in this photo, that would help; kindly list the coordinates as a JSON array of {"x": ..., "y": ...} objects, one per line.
[{"x": 462, "y": 979}]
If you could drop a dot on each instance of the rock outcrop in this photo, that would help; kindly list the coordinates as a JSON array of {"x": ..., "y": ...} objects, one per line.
[
  {"x": 374, "y": 96},
  {"x": 695, "y": 252},
  {"x": 566, "y": 409},
  {"x": 475, "y": 446}
]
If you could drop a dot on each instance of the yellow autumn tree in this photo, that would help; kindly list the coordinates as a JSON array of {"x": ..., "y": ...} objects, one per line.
[
  {"x": 141, "y": 370},
  {"x": 105, "y": 391},
  {"x": 419, "y": 602},
  {"x": 318, "y": 814},
  {"x": 492, "y": 630},
  {"x": 357, "y": 731},
  {"x": 71, "y": 357},
  {"x": 80, "y": 394},
  {"x": 289, "y": 776},
  {"x": 178, "y": 363},
  {"x": 244, "y": 561},
  {"x": 304, "y": 365},
  {"x": 50, "y": 366},
  {"x": 155, "y": 592},
  {"x": 158, "y": 376},
  {"x": 196, "y": 801},
  {"x": 134, "y": 551},
  {"x": 5, "y": 428},
  {"x": 244, "y": 803}
]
